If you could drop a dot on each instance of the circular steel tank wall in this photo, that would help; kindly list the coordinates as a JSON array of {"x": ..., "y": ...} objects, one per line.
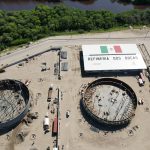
[
  {"x": 109, "y": 101},
  {"x": 14, "y": 103}
]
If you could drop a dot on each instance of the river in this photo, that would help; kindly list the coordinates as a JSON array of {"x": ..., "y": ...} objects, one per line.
[{"x": 115, "y": 7}]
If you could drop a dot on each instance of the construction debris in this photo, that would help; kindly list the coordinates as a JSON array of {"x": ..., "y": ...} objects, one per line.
[
  {"x": 2, "y": 70},
  {"x": 27, "y": 82},
  {"x": 140, "y": 101},
  {"x": 48, "y": 148},
  {"x": 20, "y": 137},
  {"x": 56, "y": 48},
  {"x": 33, "y": 115},
  {"x": 21, "y": 64},
  {"x": 33, "y": 136},
  {"x": 56, "y": 69},
  {"x": 44, "y": 67},
  {"x": 130, "y": 133},
  {"x": 30, "y": 117}
]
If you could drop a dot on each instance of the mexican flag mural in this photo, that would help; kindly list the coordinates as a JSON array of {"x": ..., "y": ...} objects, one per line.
[{"x": 115, "y": 49}]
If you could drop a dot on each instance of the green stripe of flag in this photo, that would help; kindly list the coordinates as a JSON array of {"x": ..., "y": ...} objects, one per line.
[{"x": 104, "y": 49}]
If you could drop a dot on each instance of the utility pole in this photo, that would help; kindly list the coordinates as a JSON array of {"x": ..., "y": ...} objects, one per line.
[
  {"x": 58, "y": 116},
  {"x": 59, "y": 55}
]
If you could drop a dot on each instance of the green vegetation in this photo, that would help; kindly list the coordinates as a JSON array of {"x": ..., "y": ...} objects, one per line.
[{"x": 19, "y": 27}]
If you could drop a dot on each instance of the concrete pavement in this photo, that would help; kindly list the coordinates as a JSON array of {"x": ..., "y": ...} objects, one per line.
[{"x": 126, "y": 36}]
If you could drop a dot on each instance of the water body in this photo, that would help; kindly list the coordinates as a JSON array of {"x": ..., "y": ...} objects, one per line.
[{"x": 81, "y": 4}]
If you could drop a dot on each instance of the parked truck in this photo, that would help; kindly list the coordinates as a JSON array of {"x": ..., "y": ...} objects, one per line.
[
  {"x": 46, "y": 123},
  {"x": 55, "y": 126},
  {"x": 141, "y": 83},
  {"x": 142, "y": 77},
  {"x": 50, "y": 90}
]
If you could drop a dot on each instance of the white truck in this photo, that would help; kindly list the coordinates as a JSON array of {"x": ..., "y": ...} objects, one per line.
[
  {"x": 141, "y": 83},
  {"x": 46, "y": 123},
  {"x": 142, "y": 77}
]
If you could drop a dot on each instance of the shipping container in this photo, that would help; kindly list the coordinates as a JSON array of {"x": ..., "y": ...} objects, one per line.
[{"x": 55, "y": 126}]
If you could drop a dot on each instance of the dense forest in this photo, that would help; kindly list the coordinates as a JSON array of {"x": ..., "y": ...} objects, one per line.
[{"x": 18, "y": 27}]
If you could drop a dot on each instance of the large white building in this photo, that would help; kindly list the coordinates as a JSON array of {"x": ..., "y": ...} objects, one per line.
[{"x": 112, "y": 57}]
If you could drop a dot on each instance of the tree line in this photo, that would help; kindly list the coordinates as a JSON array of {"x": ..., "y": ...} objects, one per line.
[{"x": 18, "y": 27}]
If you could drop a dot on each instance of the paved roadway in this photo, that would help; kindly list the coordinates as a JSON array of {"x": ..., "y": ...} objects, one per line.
[{"x": 127, "y": 36}]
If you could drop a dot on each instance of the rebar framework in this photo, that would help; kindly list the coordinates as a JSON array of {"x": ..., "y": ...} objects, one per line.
[
  {"x": 110, "y": 101},
  {"x": 14, "y": 102}
]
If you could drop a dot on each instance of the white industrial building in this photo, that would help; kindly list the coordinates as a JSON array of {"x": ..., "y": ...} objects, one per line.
[{"x": 112, "y": 57}]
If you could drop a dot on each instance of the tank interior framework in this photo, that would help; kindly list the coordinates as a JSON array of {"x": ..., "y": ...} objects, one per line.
[
  {"x": 110, "y": 101},
  {"x": 14, "y": 102}
]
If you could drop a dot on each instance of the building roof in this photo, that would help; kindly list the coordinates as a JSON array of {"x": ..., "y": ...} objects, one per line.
[
  {"x": 64, "y": 66},
  {"x": 63, "y": 54},
  {"x": 112, "y": 57}
]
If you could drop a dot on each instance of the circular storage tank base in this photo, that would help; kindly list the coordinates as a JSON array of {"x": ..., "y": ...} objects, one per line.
[
  {"x": 14, "y": 103},
  {"x": 109, "y": 102}
]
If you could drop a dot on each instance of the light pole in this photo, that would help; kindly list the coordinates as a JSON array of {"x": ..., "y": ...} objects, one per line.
[
  {"x": 58, "y": 116},
  {"x": 59, "y": 76}
]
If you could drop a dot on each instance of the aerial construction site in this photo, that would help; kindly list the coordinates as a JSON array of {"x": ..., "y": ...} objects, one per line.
[{"x": 77, "y": 93}]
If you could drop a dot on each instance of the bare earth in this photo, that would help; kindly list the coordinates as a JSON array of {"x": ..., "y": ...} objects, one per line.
[{"x": 70, "y": 128}]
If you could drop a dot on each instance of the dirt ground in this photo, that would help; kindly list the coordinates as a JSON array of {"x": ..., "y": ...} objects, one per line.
[{"x": 75, "y": 132}]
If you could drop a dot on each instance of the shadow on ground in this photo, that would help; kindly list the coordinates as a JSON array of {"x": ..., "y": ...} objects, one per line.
[{"x": 6, "y": 130}]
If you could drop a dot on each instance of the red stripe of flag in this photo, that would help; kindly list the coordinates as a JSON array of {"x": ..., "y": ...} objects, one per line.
[{"x": 118, "y": 49}]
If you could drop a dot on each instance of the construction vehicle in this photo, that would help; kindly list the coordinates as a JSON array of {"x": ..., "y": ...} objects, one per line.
[
  {"x": 141, "y": 83},
  {"x": 50, "y": 93},
  {"x": 67, "y": 113},
  {"x": 142, "y": 77},
  {"x": 46, "y": 123}
]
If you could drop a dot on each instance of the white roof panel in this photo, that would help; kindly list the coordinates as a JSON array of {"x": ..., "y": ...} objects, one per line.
[{"x": 112, "y": 57}]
